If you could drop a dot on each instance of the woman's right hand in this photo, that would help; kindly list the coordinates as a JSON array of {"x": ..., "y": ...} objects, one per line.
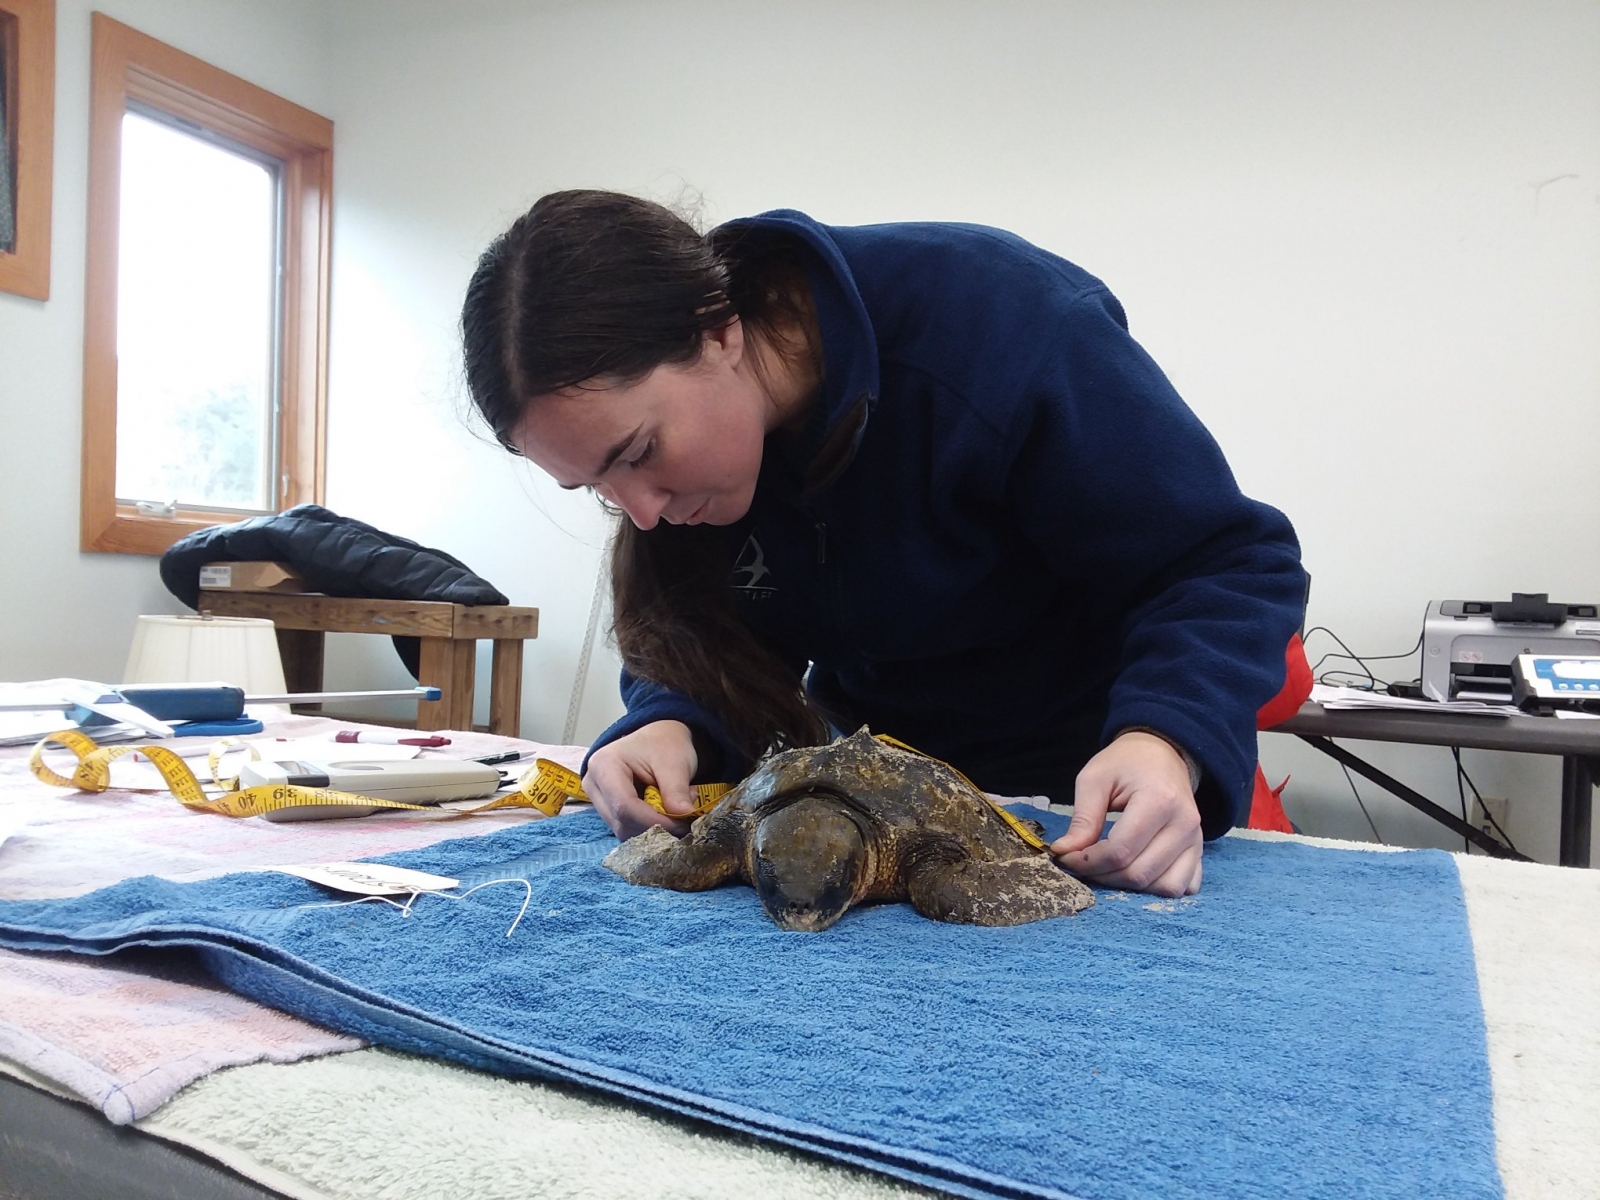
[{"x": 660, "y": 753}]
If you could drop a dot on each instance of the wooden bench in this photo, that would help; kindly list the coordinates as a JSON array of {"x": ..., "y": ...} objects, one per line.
[{"x": 449, "y": 635}]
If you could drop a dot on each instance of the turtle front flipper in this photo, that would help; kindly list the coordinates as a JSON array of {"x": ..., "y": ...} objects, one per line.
[
  {"x": 657, "y": 859},
  {"x": 1011, "y": 892}
]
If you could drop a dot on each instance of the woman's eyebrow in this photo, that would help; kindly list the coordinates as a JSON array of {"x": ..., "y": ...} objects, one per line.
[
  {"x": 610, "y": 460},
  {"x": 616, "y": 451}
]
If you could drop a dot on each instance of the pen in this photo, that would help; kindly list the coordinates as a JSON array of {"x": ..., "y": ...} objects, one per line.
[
  {"x": 489, "y": 760},
  {"x": 389, "y": 739}
]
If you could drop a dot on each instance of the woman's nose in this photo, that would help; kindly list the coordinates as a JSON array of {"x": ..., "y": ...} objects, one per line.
[{"x": 643, "y": 503}]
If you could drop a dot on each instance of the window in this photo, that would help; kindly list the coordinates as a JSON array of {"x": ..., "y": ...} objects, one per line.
[
  {"x": 27, "y": 97},
  {"x": 197, "y": 272},
  {"x": 205, "y": 325}
]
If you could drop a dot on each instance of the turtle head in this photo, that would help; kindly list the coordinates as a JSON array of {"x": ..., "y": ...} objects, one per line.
[{"x": 810, "y": 862}]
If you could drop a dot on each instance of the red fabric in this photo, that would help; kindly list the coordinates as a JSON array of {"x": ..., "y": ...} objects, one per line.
[
  {"x": 1266, "y": 803},
  {"x": 1296, "y": 688},
  {"x": 1266, "y": 806}
]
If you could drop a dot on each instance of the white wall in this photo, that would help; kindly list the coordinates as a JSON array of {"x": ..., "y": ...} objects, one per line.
[
  {"x": 1361, "y": 237},
  {"x": 63, "y": 612}
]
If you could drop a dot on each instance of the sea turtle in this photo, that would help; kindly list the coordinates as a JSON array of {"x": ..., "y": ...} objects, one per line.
[{"x": 820, "y": 829}]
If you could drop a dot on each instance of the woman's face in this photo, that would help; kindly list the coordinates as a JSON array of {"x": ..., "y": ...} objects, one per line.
[{"x": 681, "y": 445}]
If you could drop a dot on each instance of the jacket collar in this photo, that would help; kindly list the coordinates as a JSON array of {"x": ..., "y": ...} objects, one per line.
[{"x": 849, "y": 349}]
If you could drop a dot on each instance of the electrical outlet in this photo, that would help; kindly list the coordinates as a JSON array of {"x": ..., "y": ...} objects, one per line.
[{"x": 1498, "y": 807}]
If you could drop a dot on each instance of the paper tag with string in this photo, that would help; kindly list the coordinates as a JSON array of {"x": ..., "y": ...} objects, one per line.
[{"x": 371, "y": 879}]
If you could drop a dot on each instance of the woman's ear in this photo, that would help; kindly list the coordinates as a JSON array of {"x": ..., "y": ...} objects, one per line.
[{"x": 724, "y": 345}]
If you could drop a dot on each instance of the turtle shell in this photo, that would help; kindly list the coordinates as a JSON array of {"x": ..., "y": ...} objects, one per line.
[
  {"x": 821, "y": 829},
  {"x": 893, "y": 785}
]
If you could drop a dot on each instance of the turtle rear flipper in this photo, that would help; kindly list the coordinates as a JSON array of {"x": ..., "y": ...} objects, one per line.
[
  {"x": 1010, "y": 892},
  {"x": 657, "y": 859}
]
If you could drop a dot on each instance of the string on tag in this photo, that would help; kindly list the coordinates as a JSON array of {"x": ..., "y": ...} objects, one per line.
[{"x": 405, "y": 909}]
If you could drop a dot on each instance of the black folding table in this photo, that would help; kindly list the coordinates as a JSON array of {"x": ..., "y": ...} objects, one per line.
[{"x": 1576, "y": 741}]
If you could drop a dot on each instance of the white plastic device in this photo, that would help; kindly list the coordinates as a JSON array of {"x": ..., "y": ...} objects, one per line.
[{"x": 411, "y": 781}]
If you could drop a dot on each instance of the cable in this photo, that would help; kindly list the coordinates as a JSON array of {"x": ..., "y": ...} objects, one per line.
[
  {"x": 1357, "y": 793},
  {"x": 1370, "y": 681},
  {"x": 1461, "y": 773},
  {"x": 1370, "y": 684},
  {"x": 1340, "y": 678},
  {"x": 1361, "y": 659}
]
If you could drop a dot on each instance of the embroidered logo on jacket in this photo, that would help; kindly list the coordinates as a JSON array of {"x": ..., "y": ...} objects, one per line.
[{"x": 750, "y": 569}]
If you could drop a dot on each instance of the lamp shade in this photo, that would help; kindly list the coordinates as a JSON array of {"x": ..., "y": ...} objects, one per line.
[{"x": 239, "y": 651}]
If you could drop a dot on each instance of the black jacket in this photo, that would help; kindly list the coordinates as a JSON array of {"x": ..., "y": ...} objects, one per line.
[{"x": 336, "y": 556}]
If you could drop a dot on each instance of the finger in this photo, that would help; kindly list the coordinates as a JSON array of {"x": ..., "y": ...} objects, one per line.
[
  {"x": 637, "y": 816},
  {"x": 1154, "y": 829},
  {"x": 1194, "y": 882},
  {"x": 1130, "y": 835},
  {"x": 1139, "y": 866},
  {"x": 663, "y": 756},
  {"x": 602, "y": 784},
  {"x": 1149, "y": 878},
  {"x": 1129, "y": 839},
  {"x": 631, "y": 816},
  {"x": 1174, "y": 882},
  {"x": 676, "y": 795},
  {"x": 1090, "y": 799},
  {"x": 611, "y": 788}
]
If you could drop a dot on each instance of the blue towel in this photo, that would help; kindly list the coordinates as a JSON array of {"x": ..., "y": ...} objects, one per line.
[{"x": 1309, "y": 1025}]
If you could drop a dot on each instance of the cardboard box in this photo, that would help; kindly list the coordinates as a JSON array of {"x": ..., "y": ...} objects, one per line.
[{"x": 250, "y": 577}]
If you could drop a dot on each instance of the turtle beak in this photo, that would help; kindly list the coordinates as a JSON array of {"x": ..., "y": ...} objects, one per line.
[
  {"x": 809, "y": 916},
  {"x": 809, "y": 862}
]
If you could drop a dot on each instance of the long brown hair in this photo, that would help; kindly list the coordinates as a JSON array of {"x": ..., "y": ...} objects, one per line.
[{"x": 596, "y": 285}]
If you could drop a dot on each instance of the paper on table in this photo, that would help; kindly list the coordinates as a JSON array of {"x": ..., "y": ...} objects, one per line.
[
  {"x": 12, "y": 819},
  {"x": 22, "y": 727},
  {"x": 48, "y": 692},
  {"x": 26, "y": 728},
  {"x": 136, "y": 773},
  {"x": 1348, "y": 698},
  {"x": 321, "y": 751}
]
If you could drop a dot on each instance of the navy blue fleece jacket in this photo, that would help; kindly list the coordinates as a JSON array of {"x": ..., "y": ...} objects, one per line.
[{"x": 1003, "y": 538}]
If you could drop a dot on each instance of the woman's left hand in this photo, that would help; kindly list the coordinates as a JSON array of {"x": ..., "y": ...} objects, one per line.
[{"x": 1155, "y": 845}]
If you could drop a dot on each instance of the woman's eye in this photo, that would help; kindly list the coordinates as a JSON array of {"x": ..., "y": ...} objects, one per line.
[{"x": 644, "y": 455}]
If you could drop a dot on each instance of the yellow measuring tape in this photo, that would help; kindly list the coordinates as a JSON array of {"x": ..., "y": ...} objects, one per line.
[
  {"x": 1017, "y": 827},
  {"x": 549, "y": 785},
  {"x": 546, "y": 786}
]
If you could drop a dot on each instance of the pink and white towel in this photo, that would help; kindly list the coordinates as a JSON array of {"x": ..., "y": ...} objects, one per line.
[{"x": 128, "y": 1033}]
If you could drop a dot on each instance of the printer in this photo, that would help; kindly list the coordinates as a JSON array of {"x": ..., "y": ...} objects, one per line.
[{"x": 1468, "y": 646}]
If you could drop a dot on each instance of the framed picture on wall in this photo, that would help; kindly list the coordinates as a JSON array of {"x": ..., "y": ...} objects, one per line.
[{"x": 27, "y": 123}]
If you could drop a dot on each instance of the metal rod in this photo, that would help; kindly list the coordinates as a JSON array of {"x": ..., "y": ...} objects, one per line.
[
  {"x": 1577, "y": 801},
  {"x": 1414, "y": 798},
  {"x": 416, "y": 693}
]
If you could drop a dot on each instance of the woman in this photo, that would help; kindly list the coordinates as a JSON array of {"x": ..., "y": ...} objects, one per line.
[{"x": 913, "y": 476}]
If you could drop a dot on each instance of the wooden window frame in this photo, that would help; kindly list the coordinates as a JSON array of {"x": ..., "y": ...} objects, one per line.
[
  {"x": 128, "y": 65},
  {"x": 28, "y": 44}
]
